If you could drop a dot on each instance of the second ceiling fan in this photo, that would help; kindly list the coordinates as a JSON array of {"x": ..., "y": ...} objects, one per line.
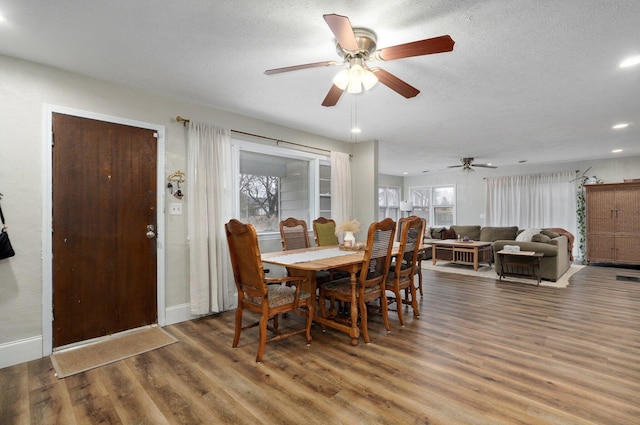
[
  {"x": 467, "y": 164},
  {"x": 357, "y": 46}
]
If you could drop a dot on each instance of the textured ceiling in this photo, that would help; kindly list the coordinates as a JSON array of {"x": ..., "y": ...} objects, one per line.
[{"x": 527, "y": 80}]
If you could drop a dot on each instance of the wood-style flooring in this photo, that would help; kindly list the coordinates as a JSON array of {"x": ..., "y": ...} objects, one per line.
[{"x": 481, "y": 352}]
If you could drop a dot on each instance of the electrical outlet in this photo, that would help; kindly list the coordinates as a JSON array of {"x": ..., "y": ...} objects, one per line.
[{"x": 175, "y": 208}]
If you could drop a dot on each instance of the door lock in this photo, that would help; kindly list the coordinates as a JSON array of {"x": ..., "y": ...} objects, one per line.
[{"x": 151, "y": 231}]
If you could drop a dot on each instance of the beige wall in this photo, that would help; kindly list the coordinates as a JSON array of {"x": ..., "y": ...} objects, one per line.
[{"x": 25, "y": 88}]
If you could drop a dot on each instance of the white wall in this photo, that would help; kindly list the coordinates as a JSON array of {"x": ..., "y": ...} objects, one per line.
[
  {"x": 24, "y": 88},
  {"x": 470, "y": 186}
]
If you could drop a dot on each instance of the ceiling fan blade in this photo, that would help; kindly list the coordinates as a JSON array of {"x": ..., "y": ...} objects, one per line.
[
  {"x": 395, "y": 83},
  {"x": 297, "y": 67},
  {"x": 483, "y": 165},
  {"x": 342, "y": 29},
  {"x": 333, "y": 96},
  {"x": 455, "y": 166},
  {"x": 441, "y": 44}
]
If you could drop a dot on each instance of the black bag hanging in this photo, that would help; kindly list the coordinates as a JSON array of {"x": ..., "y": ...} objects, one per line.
[{"x": 6, "y": 250}]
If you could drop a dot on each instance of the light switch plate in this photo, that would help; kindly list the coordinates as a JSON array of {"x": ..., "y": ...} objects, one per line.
[{"x": 175, "y": 208}]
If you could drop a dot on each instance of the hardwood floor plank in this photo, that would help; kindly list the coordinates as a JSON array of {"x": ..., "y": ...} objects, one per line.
[
  {"x": 481, "y": 352},
  {"x": 14, "y": 390}
]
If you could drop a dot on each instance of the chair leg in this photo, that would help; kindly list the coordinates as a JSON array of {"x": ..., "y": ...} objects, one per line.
[
  {"x": 399, "y": 305},
  {"x": 363, "y": 320},
  {"x": 385, "y": 310},
  {"x": 236, "y": 336},
  {"x": 264, "y": 320},
  {"x": 414, "y": 301}
]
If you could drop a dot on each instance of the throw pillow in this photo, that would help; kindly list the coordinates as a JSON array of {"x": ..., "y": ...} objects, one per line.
[
  {"x": 540, "y": 237},
  {"x": 448, "y": 234},
  {"x": 436, "y": 232},
  {"x": 427, "y": 232},
  {"x": 527, "y": 234},
  {"x": 549, "y": 233}
]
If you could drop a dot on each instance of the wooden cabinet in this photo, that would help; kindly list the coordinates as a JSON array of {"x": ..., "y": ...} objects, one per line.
[{"x": 613, "y": 223}]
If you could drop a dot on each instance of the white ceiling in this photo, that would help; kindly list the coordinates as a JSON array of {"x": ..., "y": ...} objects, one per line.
[{"x": 527, "y": 80}]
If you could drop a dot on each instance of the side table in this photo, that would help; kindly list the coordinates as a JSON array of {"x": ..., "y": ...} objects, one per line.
[{"x": 524, "y": 264}]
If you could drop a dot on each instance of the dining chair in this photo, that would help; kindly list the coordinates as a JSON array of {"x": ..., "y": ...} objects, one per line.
[
  {"x": 264, "y": 296},
  {"x": 371, "y": 278},
  {"x": 401, "y": 276},
  {"x": 324, "y": 231},
  {"x": 422, "y": 255},
  {"x": 294, "y": 234}
]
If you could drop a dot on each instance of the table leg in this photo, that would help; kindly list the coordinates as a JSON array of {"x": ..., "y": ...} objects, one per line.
[{"x": 475, "y": 258}]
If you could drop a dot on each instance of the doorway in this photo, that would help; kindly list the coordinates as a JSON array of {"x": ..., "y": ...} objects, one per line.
[{"x": 106, "y": 263}]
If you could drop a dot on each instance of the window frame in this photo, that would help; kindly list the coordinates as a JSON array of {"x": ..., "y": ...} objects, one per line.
[
  {"x": 314, "y": 161},
  {"x": 386, "y": 206},
  {"x": 431, "y": 216}
]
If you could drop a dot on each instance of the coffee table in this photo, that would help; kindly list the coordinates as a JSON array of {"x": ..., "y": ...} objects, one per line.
[
  {"x": 524, "y": 264},
  {"x": 460, "y": 252}
]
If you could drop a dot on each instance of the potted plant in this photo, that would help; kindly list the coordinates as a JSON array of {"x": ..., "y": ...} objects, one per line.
[
  {"x": 349, "y": 227},
  {"x": 582, "y": 213}
]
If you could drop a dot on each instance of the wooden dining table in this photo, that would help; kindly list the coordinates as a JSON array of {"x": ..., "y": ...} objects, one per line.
[{"x": 307, "y": 261}]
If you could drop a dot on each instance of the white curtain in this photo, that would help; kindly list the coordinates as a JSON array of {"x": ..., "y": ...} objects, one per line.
[
  {"x": 341, "y": 208},
  {"x": 532, "y": 201},
  {"x": 209, "y": 207}
]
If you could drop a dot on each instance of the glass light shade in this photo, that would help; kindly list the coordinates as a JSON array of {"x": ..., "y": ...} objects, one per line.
[
  {"x": 369, "y": 79},
  {"x": 356, "y": 72},
  {"x": 342, "y": 79},
  {"x": 354, "y": 87}
]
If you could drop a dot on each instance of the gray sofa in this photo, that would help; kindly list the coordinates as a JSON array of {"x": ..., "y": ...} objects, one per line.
[{"x": 555, "y": 262}]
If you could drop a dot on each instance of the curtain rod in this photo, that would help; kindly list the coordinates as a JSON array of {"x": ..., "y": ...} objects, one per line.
[{"x": 185, "y": 121}]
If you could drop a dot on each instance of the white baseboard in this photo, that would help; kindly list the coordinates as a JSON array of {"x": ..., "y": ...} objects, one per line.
[
  {"x": 178, "y": 313},
  {"x": 24, "y": 350},
  {"x": 20, "y": 351}
]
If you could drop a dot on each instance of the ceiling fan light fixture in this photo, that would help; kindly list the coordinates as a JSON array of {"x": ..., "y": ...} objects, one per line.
[
  {"x": 341, "y": 80},
  {"x": 369, "y": 79},
  {"x": 355, "y": 78}
]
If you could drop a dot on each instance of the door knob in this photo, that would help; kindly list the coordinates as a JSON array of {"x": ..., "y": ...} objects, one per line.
[{"x": 151, "y": 231}]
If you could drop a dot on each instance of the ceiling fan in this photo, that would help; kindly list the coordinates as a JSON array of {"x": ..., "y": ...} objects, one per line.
[
  {"x": 357, "y": 46},
  {"x": 467, "y": 164}
]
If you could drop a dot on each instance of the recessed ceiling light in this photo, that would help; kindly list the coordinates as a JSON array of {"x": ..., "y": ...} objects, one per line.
[
  {"x": 405, "y": 173},
  {"x": 630, "y": 61},
  {"x": 356, "y": 130},
  {"x": 616, "y": 151},
  {"x": 621, "y": 125}
]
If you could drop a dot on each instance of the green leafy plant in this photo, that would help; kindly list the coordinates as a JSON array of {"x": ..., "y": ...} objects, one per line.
[{"x": 581, "y": 211}]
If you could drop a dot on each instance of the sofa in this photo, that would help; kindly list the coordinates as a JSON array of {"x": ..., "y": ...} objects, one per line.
[{"x": 554, "y": 246}]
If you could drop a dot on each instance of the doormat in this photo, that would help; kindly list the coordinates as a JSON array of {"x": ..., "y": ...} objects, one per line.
[{"x": 109, "y": 350}]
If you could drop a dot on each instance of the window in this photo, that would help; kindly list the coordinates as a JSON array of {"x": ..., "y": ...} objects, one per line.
[
  {"x": 274, "y": 183},
  {"x": 434, "y": 203},
  {"x": 388, "y": 202}
]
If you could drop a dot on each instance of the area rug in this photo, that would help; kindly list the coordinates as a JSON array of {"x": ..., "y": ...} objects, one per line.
[
  {"x": 486, "y": 272},
  {"x": 109, "y": 349}
]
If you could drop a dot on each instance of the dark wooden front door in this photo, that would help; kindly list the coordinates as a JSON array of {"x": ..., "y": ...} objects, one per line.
[{"x": 104, "y": 198}]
